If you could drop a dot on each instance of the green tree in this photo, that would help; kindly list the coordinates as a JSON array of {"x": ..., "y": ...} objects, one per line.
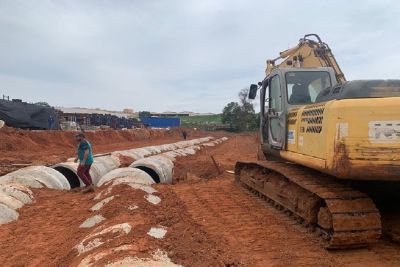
[
  {"x": 43, "y": 104},
  {"x": 230, "y": 114},
  {"x": 241, "y": 116},
  {"x": 144, "y": 114}
]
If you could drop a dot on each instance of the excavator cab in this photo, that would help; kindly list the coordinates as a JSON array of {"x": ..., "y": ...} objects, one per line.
[{"x": 285, "y": 89}]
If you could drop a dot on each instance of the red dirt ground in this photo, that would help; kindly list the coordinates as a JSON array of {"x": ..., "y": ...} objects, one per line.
[
  {"x": 50, "y": 147},
  {"x": 211, "y": 222}
]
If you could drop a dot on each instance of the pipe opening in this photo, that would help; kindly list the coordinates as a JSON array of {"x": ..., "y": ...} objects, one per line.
[
  {"x": 150, "y": 172},
  {"x": 72, "y": 177}
]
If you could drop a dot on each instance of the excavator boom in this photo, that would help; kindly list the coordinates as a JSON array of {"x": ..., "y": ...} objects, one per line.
[{"x": 308, "y": 53}]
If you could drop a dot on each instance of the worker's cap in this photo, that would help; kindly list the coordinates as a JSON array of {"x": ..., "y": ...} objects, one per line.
[{"x": 80, "y": 135}]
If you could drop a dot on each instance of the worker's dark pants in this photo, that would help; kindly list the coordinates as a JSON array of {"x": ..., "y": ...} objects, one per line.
[{"x": 84, "y": 174}]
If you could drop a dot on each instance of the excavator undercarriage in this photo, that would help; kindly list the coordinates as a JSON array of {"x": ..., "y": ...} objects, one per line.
[{"x": 347, "y": 218}]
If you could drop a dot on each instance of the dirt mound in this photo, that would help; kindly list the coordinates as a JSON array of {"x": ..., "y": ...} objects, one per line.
[
  {"x": 19, "y": 147},
  {"x": 225, "y": 156}
]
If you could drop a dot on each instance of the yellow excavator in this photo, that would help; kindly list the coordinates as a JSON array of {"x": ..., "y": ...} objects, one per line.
[{"x": 328, "y": 144}]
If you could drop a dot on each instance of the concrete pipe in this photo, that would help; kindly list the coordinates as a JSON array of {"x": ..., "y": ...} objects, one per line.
[
  {"x": 7, "y": 214},
  {"x": 208, "y": 144},
  {"x": 143, "y": 152},
  {"x": 102, "y": 166},
  {"x": 110, "y": 162},
  {"x": 27, "y": 180},
  {"x": 189, "y": 151},
  {"x": 154, "y": 149},
  {"x": 10, "y": 202},
  {"x": 158, "y": 167},
  {"x": 19, "y": 192},
  {"x": 181, "y": 144},
  {"x": 37, "y": 176},
  {"x": 167, "y": 147},
  {"x": 132, "y": 174},
  {"x": 181, "y": 152},
  {"x": 134, "y": 153},
  {"x": 170, "y": 154},
  {"x": 126, "y": 153},
  {"x": 206, "y": 139},
  {"x": 69, "y": 171},
  {"x": 138, "y": 153}
]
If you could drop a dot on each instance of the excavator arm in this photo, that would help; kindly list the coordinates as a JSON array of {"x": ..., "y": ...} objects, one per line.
[{"x": 308, "y": 53}]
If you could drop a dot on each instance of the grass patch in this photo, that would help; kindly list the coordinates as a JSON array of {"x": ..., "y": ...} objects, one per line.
[{"x": 201, "y": 120}]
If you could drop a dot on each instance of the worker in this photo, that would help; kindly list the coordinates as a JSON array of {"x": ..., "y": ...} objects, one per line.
[
  {"x": 85, "y": 158},
  {"x": 184, "y": 134},
  {"x": 50, "y": 122}
]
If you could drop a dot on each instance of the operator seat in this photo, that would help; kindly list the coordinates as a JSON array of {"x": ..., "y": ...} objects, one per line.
[{"x": 300, "y": 95}]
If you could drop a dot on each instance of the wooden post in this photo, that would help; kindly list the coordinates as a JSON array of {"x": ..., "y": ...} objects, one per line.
[{"x": 216, "y": 165}]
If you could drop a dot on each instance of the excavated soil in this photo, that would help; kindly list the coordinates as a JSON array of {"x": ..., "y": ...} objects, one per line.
[
  {"x": 21, "y": 147},
  {"x": 210, "y": 221}
]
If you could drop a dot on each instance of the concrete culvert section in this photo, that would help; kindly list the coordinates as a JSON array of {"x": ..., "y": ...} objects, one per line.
[
  {"x": 141, "y": 152},
  {"x": 18, "y": 191},
  {"x": 102, "y": 166},
  {"x": 7, "y": 214},
  {"x": 10, "y": 201},
  {"x": 69, "y": 171},
  {"x": 126, "y": 153},
  {"x": 99, "y": 237},
  {"x": 158, "y": 167},
  {"x": 134, "y": 175},
  {"x": 27, "y": 180},
  {"x": 110, "y": 162},
  {"x": 46, "y": 176}
]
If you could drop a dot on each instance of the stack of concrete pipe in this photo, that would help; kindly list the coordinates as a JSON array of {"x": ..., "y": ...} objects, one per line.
[
  {"x": 153, "y": 163},
  {"x": 15, "y": 192},
  {"x": 160, "y": 167},
  {"x": 105, "y": 164},
  {"x": 100, "y": 167}
]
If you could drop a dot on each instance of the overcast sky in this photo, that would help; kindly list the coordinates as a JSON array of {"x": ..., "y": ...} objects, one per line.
[{"x": 178, "y": 55}]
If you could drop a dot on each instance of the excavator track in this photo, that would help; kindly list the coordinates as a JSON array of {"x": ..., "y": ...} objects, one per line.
[{"x": 348, "y": 218}]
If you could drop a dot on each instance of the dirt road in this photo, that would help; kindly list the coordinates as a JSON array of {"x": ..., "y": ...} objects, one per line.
[{"x": 257, "y": 233}]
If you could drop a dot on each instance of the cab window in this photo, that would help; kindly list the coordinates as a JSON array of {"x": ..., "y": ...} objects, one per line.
[{"x": 303, "y": 87}]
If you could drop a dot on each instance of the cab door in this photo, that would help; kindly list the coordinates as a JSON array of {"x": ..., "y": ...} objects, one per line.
[{"x": 276, "y": 120}]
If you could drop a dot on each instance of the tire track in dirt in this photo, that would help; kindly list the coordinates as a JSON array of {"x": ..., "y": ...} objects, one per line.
[{"x": 258, "y": 234}]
